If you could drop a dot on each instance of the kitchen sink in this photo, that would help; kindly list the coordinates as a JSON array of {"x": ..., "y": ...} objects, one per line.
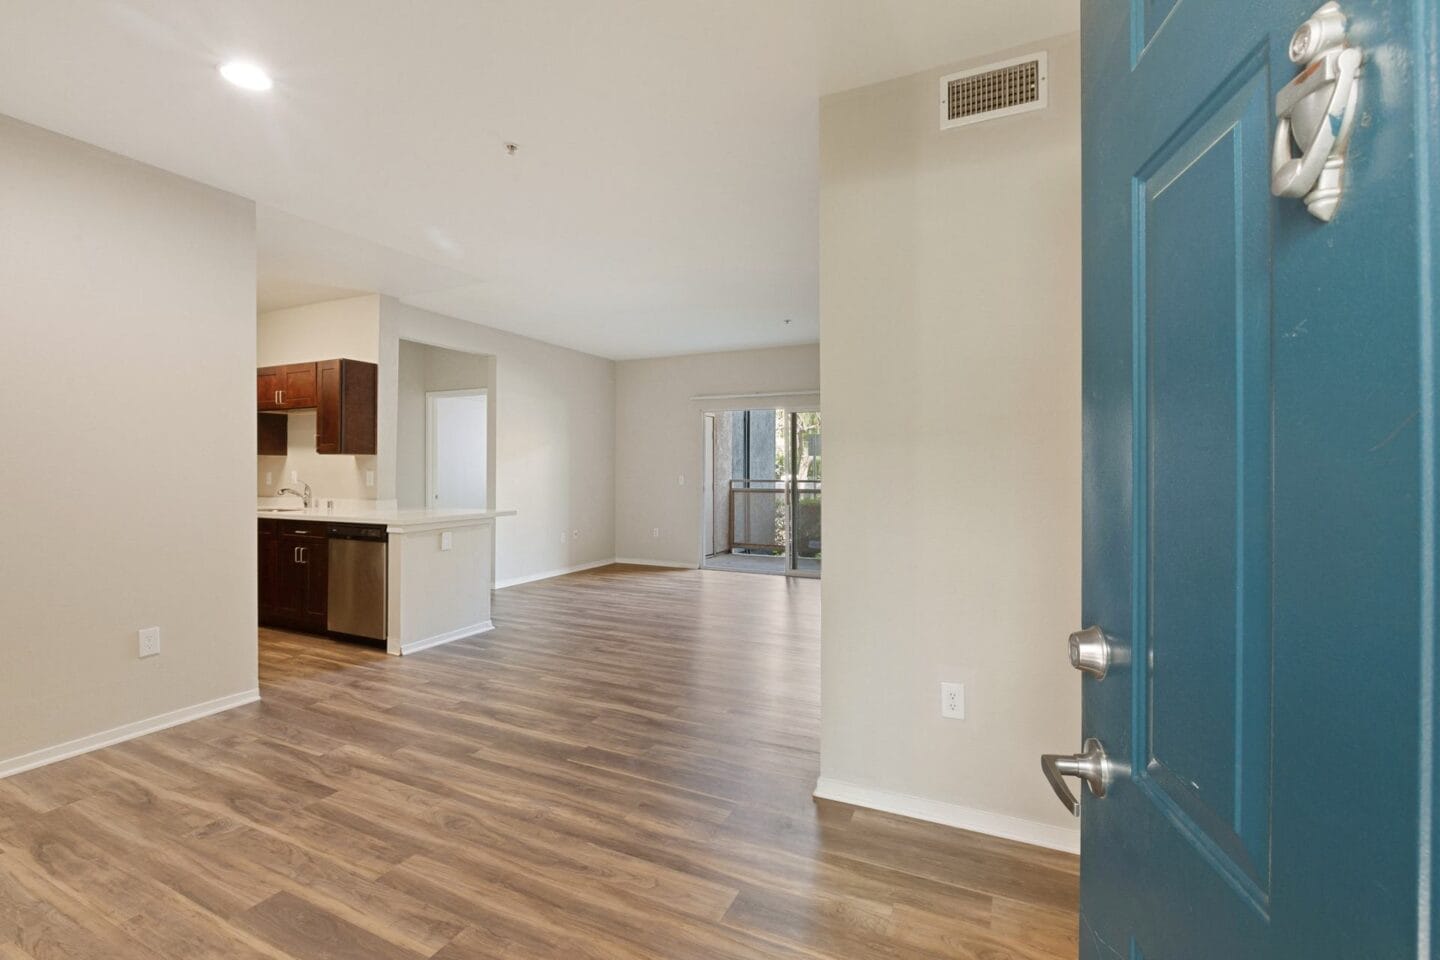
[{"x": 280, "y": 509}]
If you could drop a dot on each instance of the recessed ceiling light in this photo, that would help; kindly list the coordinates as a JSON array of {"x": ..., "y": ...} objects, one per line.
[{"x": 245, "y": 74}]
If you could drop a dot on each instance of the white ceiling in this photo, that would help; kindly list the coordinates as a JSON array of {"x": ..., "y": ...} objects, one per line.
[{"x": 664, "y": 198}]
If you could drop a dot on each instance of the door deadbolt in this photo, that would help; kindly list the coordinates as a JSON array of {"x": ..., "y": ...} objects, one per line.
[{"x": 1090, "y": 652}]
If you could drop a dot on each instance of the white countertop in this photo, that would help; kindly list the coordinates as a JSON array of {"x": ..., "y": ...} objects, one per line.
[{"x": 395, "y": 519}]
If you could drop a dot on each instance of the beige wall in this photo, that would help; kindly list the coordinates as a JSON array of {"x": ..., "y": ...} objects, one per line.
[
  {"x": 334, "y": 329},
  {"x": 554, "y": 429},
  {"x": 950, "y": 364},
  {"x": 423, "y": 369},
  {"x": 127, "y": 303},
  {"x": 659, "y": 437},
  {"x": 348, "y": 328}
]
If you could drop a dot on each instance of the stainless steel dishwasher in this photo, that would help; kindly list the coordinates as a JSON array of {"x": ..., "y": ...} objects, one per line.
[{"x": 358, "y": 570}]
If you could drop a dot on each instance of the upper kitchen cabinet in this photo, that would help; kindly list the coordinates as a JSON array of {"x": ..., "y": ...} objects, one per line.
[
  {"x": 343, "y": 393},
  {"x": 292, "y": 386},
  {"x": 272, "y": 432},
  {"x": 347, "y": 408}
]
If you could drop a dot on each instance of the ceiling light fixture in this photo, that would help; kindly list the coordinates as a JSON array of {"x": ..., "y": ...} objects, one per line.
[{"x": 246, "y": 75}]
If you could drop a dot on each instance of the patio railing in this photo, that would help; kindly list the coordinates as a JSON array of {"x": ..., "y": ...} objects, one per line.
[{"x": 761, "y": 515}]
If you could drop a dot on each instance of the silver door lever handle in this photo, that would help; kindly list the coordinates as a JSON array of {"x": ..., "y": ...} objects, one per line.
[{"x": 1092, "y": 766}]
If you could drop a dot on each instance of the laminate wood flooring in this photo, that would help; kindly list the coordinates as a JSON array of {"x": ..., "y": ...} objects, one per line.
[{"x": 622, "y": 769}]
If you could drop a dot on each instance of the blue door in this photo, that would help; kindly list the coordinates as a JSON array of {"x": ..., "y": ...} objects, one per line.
[{"x": 1260, "y": 481}]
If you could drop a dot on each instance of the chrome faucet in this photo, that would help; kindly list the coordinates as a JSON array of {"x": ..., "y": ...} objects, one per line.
[{"x": 302, "y": 495}]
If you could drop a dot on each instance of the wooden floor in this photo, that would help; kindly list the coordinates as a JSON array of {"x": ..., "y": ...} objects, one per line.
[{"x": 621, "y": 770}]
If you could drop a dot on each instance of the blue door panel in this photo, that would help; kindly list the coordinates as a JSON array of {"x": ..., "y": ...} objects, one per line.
[
  {"x": 1260, "y": 486},
  {"x": 1148, "y": 17},
  {"x": 1204, "y": 407}
]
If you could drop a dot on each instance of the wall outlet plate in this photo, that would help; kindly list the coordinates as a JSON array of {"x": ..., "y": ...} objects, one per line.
[
  {"x": 149, "y": 641},
  {"x": 654, "y": 533},
  {"x": 447, "y": 540},
  {"x": 952, "y": 701},
  {"x": 369, "y": 478}
]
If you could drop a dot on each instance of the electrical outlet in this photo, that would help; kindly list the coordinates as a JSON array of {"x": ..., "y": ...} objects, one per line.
[
  {"x": 149, "y": 642},
  {"x": 952, "y": 701},
  {"x": 369, "y": 478},
  {"x": 294, "y": 476},
  {"x": 575, "y": 534},
  {"x": 682, "y": 479},
  {"x": 447, "y": 540},
  {"x": 269, "y": 479},
  {"x": 564, "y": 537},
  {"x": 654, "y": 533}
]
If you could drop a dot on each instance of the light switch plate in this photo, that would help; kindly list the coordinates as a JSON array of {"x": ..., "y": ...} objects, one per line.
[
  {"x": 149, "y": 639},
  {"x": 447, "y": 540},
  {"x": 369, "y": 478}
]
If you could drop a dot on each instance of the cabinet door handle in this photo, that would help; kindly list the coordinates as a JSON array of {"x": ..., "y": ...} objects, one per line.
[
  {"x": 295, "y": 554},
  {"x": 302, "y": 554},
  {"x": 282, "y": 397}
]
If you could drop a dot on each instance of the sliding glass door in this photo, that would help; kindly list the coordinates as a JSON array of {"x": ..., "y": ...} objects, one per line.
[
  {"x": 762, "y": 491},
  {"x": 803, "y": 468}
]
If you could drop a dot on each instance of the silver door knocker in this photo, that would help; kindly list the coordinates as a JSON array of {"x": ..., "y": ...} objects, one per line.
[{"x": 1317, "y": 111}]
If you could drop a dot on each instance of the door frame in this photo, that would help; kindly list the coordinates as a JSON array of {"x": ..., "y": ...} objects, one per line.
[
  {"x": 810, "y": 403},
  {"x": 707, "y": 491},
  {"x": 792, "y": 497},
  {"x": 430, "y": 447}
]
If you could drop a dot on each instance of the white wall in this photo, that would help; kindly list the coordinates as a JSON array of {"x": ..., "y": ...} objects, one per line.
[
  {"x": 950, "y": 364},
  {"x": 349, "y": 329},
  {"x": 127, "y": 303},
  {"x": 423, "y": 369},
  {"x": 659, "y": 437},
  {"x": 554, "y": 428}
]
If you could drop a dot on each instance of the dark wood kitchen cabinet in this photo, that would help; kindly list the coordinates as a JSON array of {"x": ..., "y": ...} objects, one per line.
[
  {"x": 294, "y": 574},
  {"x": 343, "y": 393},
  {"x": 348, "y": 407},
  {"x": 291, "y": 386},
  {"x": 270, "y": 600},
  {"x": 272, "y": 434}
]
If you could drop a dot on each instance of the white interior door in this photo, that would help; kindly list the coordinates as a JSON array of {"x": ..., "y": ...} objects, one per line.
[{"x": 455, "y": 449}]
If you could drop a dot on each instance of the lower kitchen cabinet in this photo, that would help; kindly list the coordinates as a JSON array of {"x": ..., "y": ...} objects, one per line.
[{"x": 294, "y": 574}]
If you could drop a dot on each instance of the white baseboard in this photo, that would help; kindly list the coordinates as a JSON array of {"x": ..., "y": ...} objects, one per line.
[
  {"x": 548, "y": 574},
  {"x": 129, "y": 731},
  {"x": 675, "y": 564},
  {"x": 951, "y": 815},
  {"x": 415, "y": 646}
]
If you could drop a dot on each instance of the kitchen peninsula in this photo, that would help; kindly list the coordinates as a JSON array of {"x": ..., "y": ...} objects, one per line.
[{"x": 414, "y": 578}]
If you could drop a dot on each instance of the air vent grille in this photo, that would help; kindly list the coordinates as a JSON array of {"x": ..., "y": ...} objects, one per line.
[{"x": 995, "y": 90}]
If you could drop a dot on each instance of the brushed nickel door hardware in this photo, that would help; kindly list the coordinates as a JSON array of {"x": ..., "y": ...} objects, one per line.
[
  {"x": 1091, "y": 766},
  {"x": 1316, "y": 112},
  {"x": 1090, "y": 652}
]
